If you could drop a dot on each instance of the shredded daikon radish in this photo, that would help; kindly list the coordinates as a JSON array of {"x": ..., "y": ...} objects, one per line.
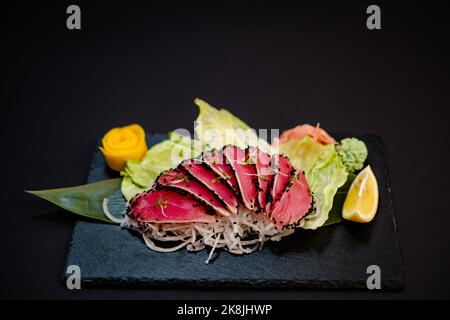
[
  {"x": 213, "y": 248},
  {"x": 108, "y": 213},
  {"x": 154, "y": 247},
  {"x": 240, "y": 233}
]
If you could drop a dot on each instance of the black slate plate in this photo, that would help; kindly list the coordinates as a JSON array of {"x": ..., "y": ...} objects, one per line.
[{"x": 335, "y": 256}]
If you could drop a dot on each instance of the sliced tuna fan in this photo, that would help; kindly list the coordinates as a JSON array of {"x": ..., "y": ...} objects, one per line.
[{"x": 226, "y": 182}]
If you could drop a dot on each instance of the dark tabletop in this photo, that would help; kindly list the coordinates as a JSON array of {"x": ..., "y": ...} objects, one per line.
[{"x": 274, "y": 66}]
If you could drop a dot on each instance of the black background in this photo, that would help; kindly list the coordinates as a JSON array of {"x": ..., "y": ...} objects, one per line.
[{"x": 273, "y": 64}]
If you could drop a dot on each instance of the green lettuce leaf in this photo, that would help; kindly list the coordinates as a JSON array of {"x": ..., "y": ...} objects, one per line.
[
  {"x": 216, "y": 128},
  {"x": 140, "y": 175},
  {"x": 324, "y": 172},
  {"x": 129, "y": 188}
]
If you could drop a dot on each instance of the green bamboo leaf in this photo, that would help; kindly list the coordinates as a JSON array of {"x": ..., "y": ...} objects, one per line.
[
  {"x": 335, "y": 215},
  {"x": 85, "y": 200}
]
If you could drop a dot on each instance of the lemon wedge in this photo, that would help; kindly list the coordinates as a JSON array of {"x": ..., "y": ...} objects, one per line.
[{"x": 361, "y": 202}]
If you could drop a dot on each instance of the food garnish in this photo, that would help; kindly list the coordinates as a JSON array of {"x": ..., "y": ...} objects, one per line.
[
  {"x": 299, "y": 132},
  {"x": 361, "y": 202},
  {"x": 353, "y": 152},
  {"x": 122, "y": 144}
]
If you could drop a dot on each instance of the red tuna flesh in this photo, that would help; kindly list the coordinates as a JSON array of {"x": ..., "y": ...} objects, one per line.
[
  {"x": 167, "y": 206},
  {"x": 264, "y": 172},
  {"x": 213, "y": 182},
  {"x": 294, "y": 203},
  {"x": 281, "y": 179},
  {"x": 246, "y": 176},
  {"x": 179, "y": 180},
  {"x": 216, "y": 161}
]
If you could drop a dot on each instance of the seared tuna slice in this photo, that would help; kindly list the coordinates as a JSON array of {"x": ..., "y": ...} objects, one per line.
[
  {"x": 163, "y": 205},
  {"x": 283, "y": 174},
  {"x": 246, "y": 176},
  {"x": 216, "y": 161},
  {"x": 264, "y": 171},
  {"x": 180, "y": 180},
  {"x": 294, "y": 203},
  {"x": 213, "y": 182}
]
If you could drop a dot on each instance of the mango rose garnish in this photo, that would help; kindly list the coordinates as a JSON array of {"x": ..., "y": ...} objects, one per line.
[{"x": 122, "y": 144}]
